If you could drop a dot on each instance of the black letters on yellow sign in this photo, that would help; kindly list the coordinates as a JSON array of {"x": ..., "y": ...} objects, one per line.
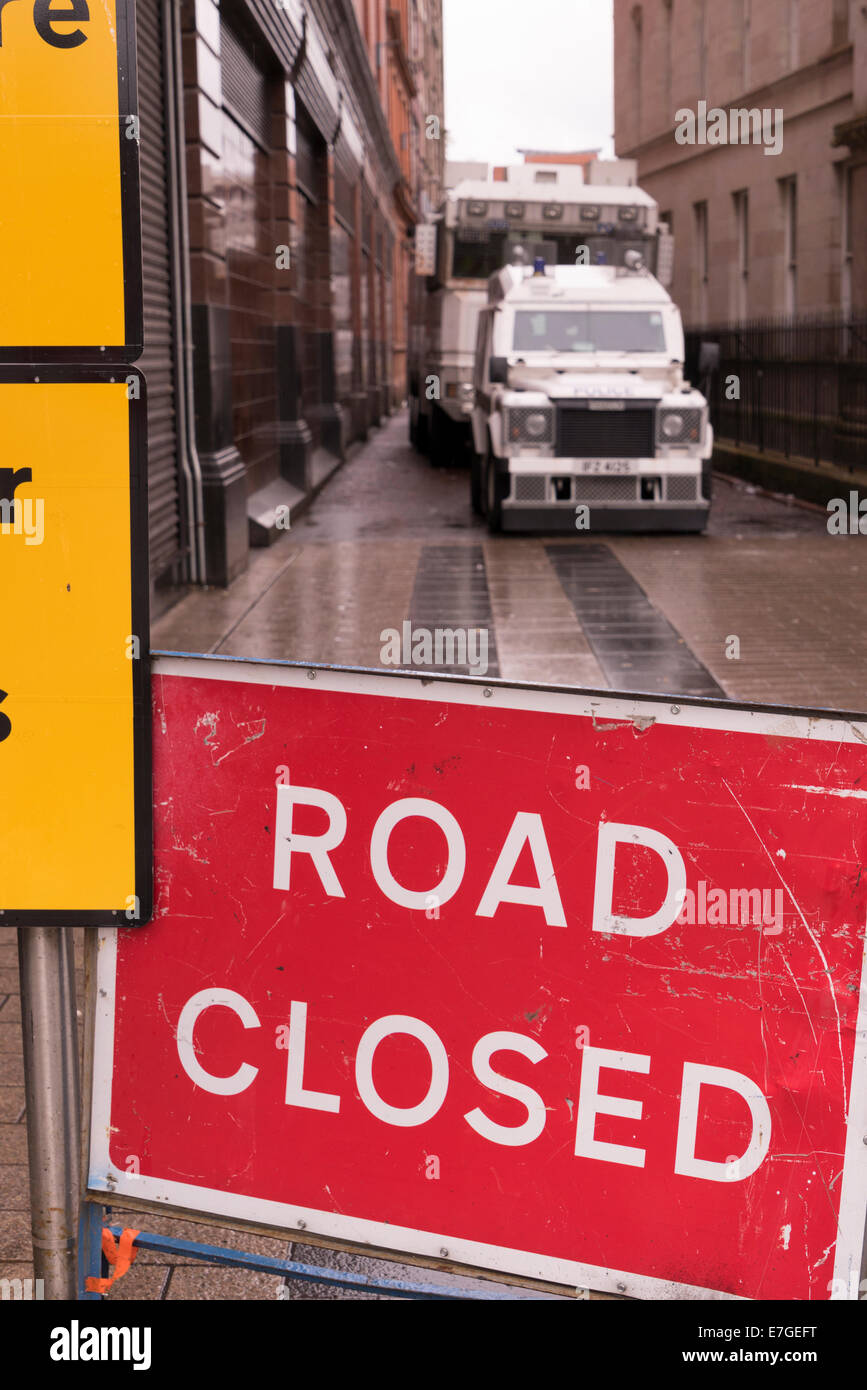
[
  {"x": 5, "y": 725},
  {"x": 46, "y": 15},
  {"x": 10, "y": 478}
]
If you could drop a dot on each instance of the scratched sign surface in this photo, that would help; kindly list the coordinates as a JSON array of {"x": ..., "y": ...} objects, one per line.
[{"x": 547, "y": 983}]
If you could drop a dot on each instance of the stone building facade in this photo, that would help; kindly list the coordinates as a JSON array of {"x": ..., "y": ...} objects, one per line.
[
  {"x": 284, "y": 163},
  {"x": 756, "y": 233}
]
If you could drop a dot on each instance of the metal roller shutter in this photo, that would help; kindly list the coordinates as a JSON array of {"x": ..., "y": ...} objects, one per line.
[
  {"x": 245, "y": 87},
  {"x": 157, "y": 361},
  {"x": 317, "y": 88}
]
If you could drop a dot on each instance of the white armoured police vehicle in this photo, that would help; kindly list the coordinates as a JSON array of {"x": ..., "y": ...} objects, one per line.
[
  {"x": 582, "y": 418},
  {"x": 562, "y": 212}
]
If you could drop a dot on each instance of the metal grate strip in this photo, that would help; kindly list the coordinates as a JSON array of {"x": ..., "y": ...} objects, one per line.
[
  {"x": 529, "y": 487},
  {"x": 637, "y": 648},
  {"x": 451, "y": 595},
  {"x": 680, "y": 487},
  {"x": 592, "y": 489}
]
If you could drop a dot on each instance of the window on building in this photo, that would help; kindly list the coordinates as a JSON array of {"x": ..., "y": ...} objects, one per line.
[
  {"x": 701, "y": 45},
  {"x": 839, "y": 23},
  {"x": 742, "y": 264},
  {"x": 789, "y": 191},
  {"x": 746, "y": 41},
  {"x": 668, "y": 44},
  {"x": 847, "y": 246},
  {"x": 794, "y": 27},
  {"x": 637, "y": 64},
  {"x": 701, "y": 260}
]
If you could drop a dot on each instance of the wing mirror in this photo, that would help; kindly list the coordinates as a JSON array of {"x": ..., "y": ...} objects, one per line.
[{"x": 708, "y": 359}]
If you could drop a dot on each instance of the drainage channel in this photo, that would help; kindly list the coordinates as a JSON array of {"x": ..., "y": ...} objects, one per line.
[
  {"x": 451, "y": 595},
  {"x": 637, "y": 648}
]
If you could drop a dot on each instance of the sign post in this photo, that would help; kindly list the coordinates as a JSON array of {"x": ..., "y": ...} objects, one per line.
[
  {"x": 75, "y": 812},
  {"x": 50, "y": 1038},
  {"x": 556, "y": 985}
]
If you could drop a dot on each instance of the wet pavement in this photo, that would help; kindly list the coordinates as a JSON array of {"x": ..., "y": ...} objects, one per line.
[{"x": 764, "y": 607}]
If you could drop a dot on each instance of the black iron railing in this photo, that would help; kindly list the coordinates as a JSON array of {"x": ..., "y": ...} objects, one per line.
[{"x": 797, "y": 387}]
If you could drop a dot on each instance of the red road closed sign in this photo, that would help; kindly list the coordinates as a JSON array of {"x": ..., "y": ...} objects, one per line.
[{"x": 560, "y": 985}]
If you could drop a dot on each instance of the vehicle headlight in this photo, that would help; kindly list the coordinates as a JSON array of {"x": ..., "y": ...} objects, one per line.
[
  {"x": 529, "y": 425},
  {"x": 680, "y": 426},
  {"x": 466, "y": 390}
]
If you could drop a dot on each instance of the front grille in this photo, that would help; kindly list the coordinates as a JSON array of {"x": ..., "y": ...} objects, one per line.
[
  {"x": 605, "y": 489},
  {"x": 680, "y": 487},
  {"x": 606, "y": 434},
  {"x": 530, "y": 487}
]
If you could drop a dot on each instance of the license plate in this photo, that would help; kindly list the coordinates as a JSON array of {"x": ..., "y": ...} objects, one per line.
[{"x": 607, "y": 465}]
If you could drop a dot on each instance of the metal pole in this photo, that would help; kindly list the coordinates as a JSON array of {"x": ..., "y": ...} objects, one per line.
[{"x": 51, "y": 1090}]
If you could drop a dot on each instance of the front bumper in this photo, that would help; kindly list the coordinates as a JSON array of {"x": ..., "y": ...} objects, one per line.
[
  {"x": 642, "y": 516},
  {"x": 660, "y": 495}
]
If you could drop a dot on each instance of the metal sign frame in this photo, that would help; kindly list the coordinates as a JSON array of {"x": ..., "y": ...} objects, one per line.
[
  {"x": 140, "y": 624},
  {"x": 130, "y": 206},
  {"x": 444, "y": 1251}
]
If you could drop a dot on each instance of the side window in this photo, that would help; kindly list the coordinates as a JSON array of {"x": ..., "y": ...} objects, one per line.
[{"x": 480, "y": 370}]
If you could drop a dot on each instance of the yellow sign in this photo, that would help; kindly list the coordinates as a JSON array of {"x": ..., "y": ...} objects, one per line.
[
  {"x": 69, "y": 219},
  {"x": 74, "y": 717}
]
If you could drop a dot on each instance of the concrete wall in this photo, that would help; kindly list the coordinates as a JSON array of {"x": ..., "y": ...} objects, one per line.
[{"x": 805, "y": 58}]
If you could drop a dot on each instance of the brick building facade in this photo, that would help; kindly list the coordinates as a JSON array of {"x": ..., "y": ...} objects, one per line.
[
  {"x": 755, "y": 234},
  {"x": 284, "y": 160}
]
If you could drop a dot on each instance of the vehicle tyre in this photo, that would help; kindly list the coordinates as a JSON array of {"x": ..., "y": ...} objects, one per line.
[
  {"x": 707, "y": 479},
  {"x": 493, "y": 495},
  {"x": 422, "y": 432},
  {"x": 440, "y": 454},
  {"x": 476, "y": 480}
]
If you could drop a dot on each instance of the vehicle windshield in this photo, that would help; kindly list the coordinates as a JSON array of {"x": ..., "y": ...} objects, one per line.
[
  {"x": 478, "y": 251},
  {"x": 589, "y": 330}
]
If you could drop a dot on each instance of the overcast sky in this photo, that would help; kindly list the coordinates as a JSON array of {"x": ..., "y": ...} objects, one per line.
[{"x": 534, "y": 74}]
